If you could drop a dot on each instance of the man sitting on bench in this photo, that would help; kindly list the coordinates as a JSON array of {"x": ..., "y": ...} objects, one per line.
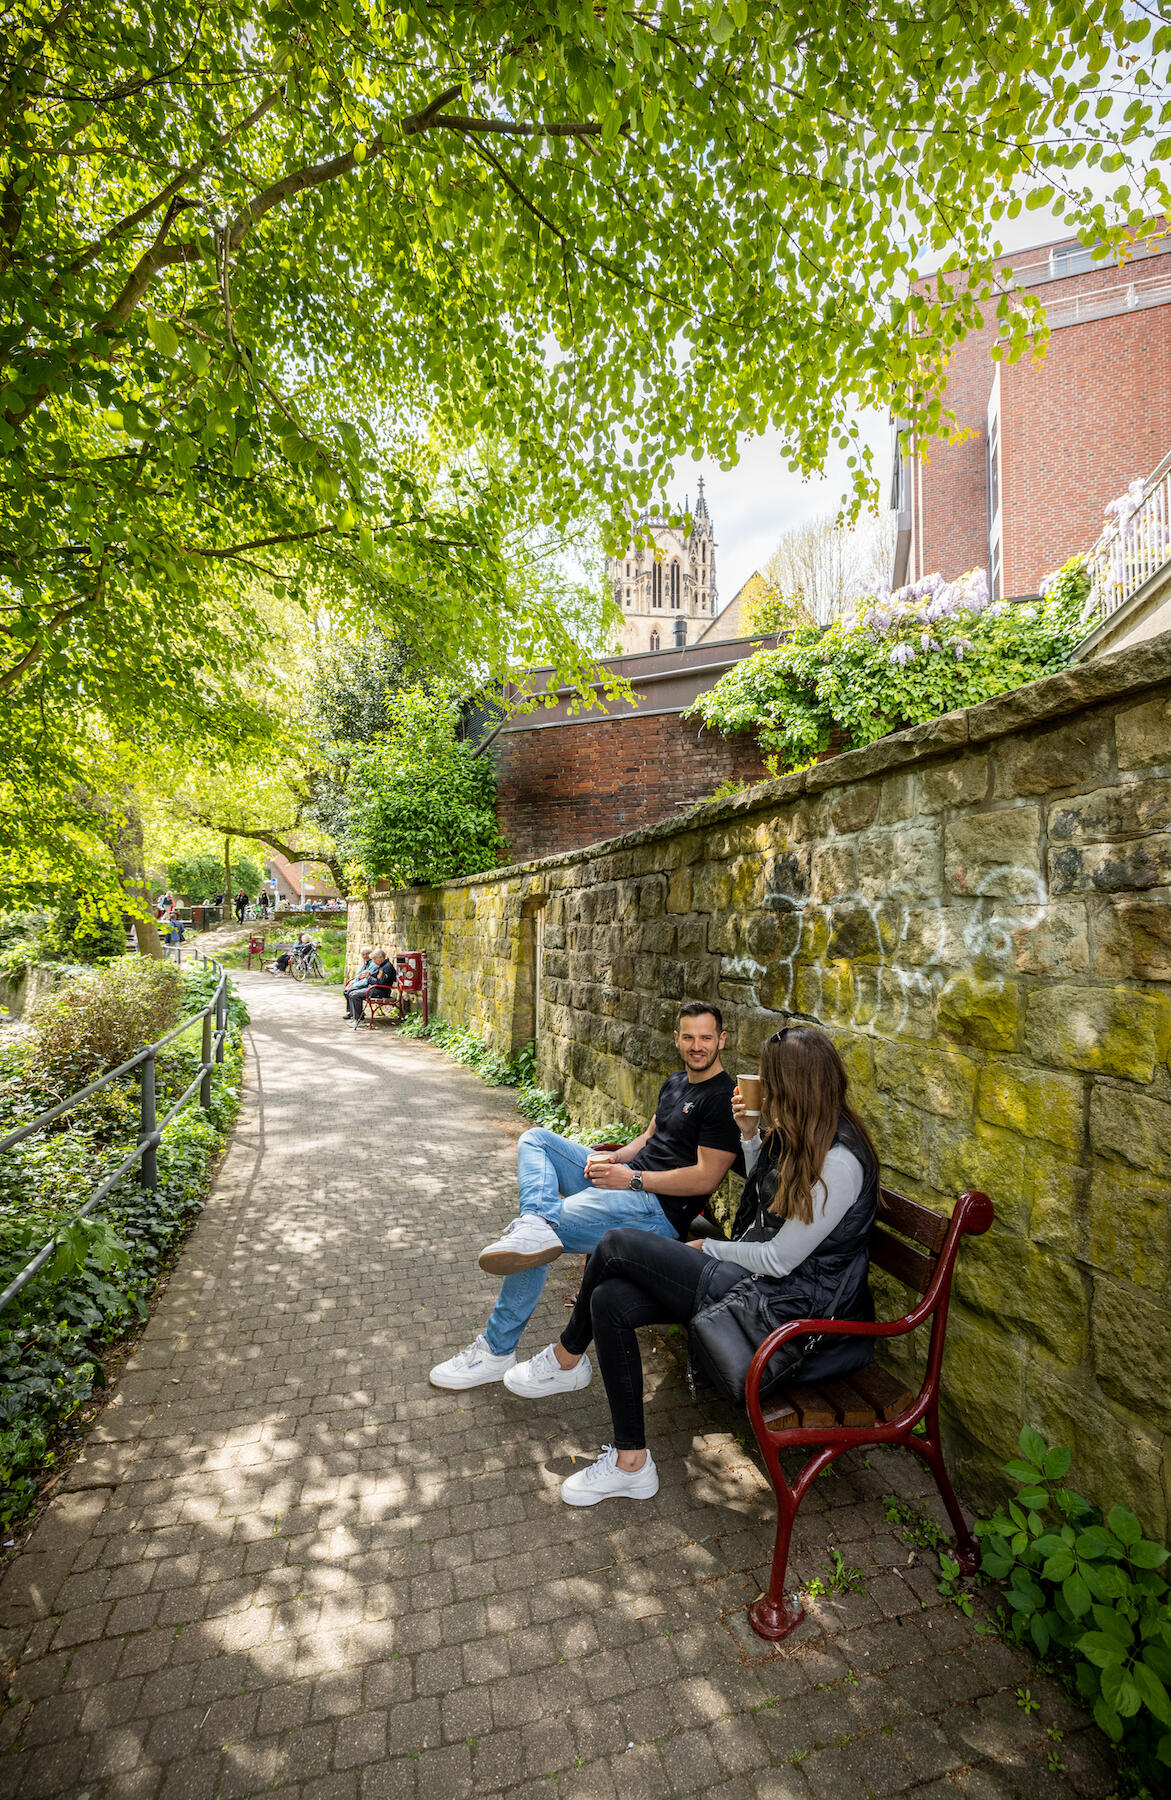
[
  {"x": 570, "y": 1197},
  {"x": 378, "y": 984}
]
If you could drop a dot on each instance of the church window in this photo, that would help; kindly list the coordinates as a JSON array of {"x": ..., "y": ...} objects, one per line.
[
  {"x": 628, "y": 596},
  {"x": 654, "y": 640},
  {"x": 628, "y": 571},
  {"x": 675, "y": 586},
  {"x": 703, "y": 554},
  {"x": 657, "y": 586},
  {"x": 680, "y": 634}
]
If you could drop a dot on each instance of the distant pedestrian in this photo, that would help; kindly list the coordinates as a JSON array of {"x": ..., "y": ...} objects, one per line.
[
  {"x": 241, "y": 906},
  {"x": 262, "y": 902}
]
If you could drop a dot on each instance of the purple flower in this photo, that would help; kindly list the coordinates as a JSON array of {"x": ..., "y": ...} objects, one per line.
[{"x": 901, "y": 655}]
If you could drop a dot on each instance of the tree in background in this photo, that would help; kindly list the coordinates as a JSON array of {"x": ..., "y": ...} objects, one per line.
[
  {"x": 198, "y": 875},
  {"x": 421, "y": 805},
  {"x": 367, "y": 297},
  {"x": 820, "y": 569}
]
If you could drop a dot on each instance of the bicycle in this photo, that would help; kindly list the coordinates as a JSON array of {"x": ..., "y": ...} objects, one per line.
[{"x": 306, "y": 966}]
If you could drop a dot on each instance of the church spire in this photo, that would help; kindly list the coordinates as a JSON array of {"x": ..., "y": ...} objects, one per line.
[{"x": 701, "y": 511}]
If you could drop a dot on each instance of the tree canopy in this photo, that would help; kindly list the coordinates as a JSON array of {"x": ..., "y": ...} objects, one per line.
[{"x": 364, "y": 298}]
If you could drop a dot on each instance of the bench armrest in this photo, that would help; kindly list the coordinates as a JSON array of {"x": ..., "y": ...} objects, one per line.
[{"x": 873, "y": 1328}]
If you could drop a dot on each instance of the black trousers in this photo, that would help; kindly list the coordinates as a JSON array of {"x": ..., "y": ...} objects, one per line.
[{"x": 634, "y": 1278}]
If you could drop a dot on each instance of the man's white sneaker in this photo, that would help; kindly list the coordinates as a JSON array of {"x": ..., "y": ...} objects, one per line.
[
  {"x": 543, "y": 1374},
  {"x": 525, "y": 1243},
  {"x": 474, "y": 1367},
  {"x": 604, "y": 1480}
]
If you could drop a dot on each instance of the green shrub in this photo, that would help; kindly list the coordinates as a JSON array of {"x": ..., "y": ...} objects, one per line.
[
  {"x": 1088, "y": 1591},
  {"x": 104, "y": 1016}
]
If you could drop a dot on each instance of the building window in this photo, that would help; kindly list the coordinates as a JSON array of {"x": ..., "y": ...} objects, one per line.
[
  {"x": 680, "y": 633},
  {"x": 657, "y": 585},
  {"x": 628, "y": 596},
  {"x": 675, "y": 587},
  {"x": 628, "y": 571},
  {"x": 654, "y": 640},
  {"x": 703, "y": 553}
]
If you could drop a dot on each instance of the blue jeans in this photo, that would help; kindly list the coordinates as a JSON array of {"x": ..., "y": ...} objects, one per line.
[{"x": 550, "y": 1173}]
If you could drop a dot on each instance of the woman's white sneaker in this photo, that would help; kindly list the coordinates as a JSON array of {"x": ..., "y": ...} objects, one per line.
[
  {"x": 525, "y": 1243},
  {"x": 543, "y": 1374},
  {"x": 474, "y": 1367},
  {"x": 604, "y": 1480}
]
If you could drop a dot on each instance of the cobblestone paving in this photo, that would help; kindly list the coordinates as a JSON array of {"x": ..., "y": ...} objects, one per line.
[{"x": 287, "y": 1566}]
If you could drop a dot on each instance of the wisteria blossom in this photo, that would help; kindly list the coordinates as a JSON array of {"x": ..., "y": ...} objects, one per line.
[{"x": 908, "y": 615}]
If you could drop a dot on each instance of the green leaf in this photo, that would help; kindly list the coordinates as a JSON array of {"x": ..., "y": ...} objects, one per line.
[
  {"x": 1056, "y": 1463},
  {"x": 719, "y": 24},
  {"x": 1151, "y": 1691},
  {"x": 1147, "y": 1555},
  {"x": 1103, "y": 1651},
  {"x": 163, "y": 336},
  {"x": 1124, "y": 1525},
  {"x": 1119, "y": 1691},
  {"x": 1077, "y": 1594}
]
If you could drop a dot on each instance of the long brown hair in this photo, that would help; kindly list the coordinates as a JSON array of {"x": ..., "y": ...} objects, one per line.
[{"x": 803, "y": 1086}]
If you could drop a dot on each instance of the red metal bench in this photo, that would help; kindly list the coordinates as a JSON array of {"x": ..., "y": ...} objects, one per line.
[
  {"x": 871, "y": 1406},
  {"x": 411, "y": 971}
]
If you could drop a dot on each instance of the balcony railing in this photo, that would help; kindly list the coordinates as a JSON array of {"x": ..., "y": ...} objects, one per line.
[{"x": 1135, "y": 546}]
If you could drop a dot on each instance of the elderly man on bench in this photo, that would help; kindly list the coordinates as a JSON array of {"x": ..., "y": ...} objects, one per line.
[{"x": 571, "y": 1196}]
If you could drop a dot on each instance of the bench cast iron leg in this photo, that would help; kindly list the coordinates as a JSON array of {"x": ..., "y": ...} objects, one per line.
[
  {"x": 772, "y": 1616},
  {"x": 967, "y": 1551}
]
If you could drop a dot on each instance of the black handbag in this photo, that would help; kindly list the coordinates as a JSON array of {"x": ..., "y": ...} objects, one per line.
[{"x": 728, "y": 1333}]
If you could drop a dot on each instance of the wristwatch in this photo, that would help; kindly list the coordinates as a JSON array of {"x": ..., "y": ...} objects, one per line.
[{"x": 636, "y": 1181}]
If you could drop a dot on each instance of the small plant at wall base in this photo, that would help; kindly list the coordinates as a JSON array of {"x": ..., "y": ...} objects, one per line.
[
  {"x": 1088, "y": 1592},
  {"x": 909, "y": 656}
]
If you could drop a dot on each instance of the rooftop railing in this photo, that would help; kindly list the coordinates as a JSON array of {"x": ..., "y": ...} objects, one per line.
[
  {"x": 151, "y": 1128},
  {"x": 1133, "y": 548}
]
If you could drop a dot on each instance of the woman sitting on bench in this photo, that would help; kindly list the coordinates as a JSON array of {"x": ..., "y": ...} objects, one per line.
[
  {"x": 377, "y": 984},
  {"x": 799, "y": 1250}
]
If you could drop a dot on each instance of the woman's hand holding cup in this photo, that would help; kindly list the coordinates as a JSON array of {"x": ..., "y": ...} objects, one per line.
[{"x": 746, "y": 1104}]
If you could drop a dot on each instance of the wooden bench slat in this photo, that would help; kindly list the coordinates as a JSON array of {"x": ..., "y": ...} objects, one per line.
[
  {"x": 780, "y": 1414},
  {"x": 902, "y": 1260},
  {"x": 913, "y": 1220},
  {"x": 884, "y": 1391},
  {"x": 847, "y": 1403},
  {"x": 814, "y": 1410}
]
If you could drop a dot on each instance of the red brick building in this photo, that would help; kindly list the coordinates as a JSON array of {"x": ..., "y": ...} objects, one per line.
[
  {"x": 1051, "y": 441},
  {"x": 566, "y": 779}
]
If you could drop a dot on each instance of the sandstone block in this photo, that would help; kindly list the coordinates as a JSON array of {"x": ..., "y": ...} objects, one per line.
[
  {"x": 1058, "y": 1190},
  {"x": 1005, "y": 1277},
  {"x": 1127, "y": 809},
  {"x": 1133, "y": 939},
  {"x": 1131, "y": 866},
  {"x": 1132, "y": 1350},
  {"x": 652, "y": 890},
  {"x": 903, "y": 861},
  {"x": 747, "y": 882},
  {"x": 691, "y": 935},
  {"x": 901, "y": 1003},
  {"x": 853, "y": 932},
  {"x": 1104, "y": 1030},
  {"x": 939, "y": 1081},
  {"x": 1132, "y": 1128},
  {"x": 984, "y": 1013},
  {"x": 1033, "y": 1102},
  {"x": 1070, "y": 754},
  {"x": 786, "y": 881},
  {"x": 679, "y": 891},
  {"x": 960, "y": 1156},
  {"x": 1128, "y": 1228},
  {"x": 854, "y": 807},
  {"x": 1143, "y": 733},
  {"x": 983, "y": 1378},
  {"x": 711, "y": 888},
  {"x": 761, "y": 935},
  {"x": 1037, "y": 940},
  {"x": 944, "y": 786},
  {"x": 1115, "y": 1452},
  {"x": 834, "y": 870},
  {"x": 898, "y": 799},
  {"x": 774, "y": 985},
  {"x": 996, "y": 854}
]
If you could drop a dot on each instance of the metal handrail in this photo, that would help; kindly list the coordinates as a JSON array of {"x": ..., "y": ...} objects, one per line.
[
  {"x": 1128, "y": 553},
  {"x": 150, "y": 1127}
]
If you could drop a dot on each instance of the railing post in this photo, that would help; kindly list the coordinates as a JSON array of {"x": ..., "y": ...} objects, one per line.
[
  {"x": 150, "y": 1156},
  {"x": 425, "y": 994},
  {"x": 205, "y": 1057},
  {"x": 221, "y": 1018}
]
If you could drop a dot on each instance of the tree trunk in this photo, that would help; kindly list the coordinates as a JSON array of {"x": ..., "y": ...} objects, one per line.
[
  {"x": 128, "y": 855},
  {"x": 227, "y": 876}
]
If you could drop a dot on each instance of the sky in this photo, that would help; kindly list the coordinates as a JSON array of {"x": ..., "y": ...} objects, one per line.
[{"x": 754, "y": 503}]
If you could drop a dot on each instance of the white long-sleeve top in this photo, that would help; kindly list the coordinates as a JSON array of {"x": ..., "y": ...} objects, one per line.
[{"x": 834, "y": 1193}]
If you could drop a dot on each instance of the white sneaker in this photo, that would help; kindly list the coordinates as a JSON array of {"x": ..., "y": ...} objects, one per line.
[
  {"x": 525, "y": 1243},
  {"x": 474, "y": 1367},
  {"x": 543, "y": 1374},
  {"x": 604, "y": 1480}
]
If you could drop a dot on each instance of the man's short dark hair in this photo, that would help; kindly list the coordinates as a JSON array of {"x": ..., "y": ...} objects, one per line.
[{"x": 692, "y": 1008}]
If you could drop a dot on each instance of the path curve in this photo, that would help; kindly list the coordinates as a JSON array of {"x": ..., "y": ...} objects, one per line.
[{"x": 285, "y": 1565}]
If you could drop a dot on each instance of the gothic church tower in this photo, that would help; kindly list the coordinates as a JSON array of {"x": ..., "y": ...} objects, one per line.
[{"x": 667, "y": 596}]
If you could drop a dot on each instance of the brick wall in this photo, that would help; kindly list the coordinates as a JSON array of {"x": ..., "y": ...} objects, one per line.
[
  {"x": 1076, "y": 428},
  {"x": 567, "y": 785},
  {"x": 978, "y": 911}
]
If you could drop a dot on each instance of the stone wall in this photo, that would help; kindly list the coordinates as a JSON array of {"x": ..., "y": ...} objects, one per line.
[{"x": 977, "y": 911}]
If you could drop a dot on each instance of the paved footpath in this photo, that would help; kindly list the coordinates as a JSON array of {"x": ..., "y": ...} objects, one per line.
[{"x": 287, "y": 1566}]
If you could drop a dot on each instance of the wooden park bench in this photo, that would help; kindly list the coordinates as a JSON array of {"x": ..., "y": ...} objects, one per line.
[{"x": 871, "y": 1406}]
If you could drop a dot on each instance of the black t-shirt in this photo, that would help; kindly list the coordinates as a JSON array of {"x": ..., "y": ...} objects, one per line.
[{"x": 689, "y": 1116}]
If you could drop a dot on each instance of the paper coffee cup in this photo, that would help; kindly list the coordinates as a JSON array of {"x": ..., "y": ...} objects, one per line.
[{"x": 749, "y": 1086}]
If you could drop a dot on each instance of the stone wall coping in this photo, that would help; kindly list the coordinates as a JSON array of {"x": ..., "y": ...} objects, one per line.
[{"x": 1130, "y": 671}]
